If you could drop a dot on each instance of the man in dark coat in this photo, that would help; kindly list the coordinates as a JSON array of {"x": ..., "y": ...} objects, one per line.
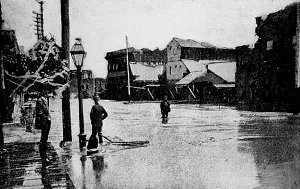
[
  {"x": 43, "y": 118},
  {"x": 97, "y": 114},
  {"x": 165, "y": 108}
]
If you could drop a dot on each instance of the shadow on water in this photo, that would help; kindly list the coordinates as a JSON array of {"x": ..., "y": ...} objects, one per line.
[{"x": 275, "y": 147}]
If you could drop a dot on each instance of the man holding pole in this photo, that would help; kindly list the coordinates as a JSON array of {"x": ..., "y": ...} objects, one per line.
[{"x": 97, "y": 114}]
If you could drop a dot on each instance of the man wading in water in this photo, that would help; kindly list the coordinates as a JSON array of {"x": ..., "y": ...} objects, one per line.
[
  {"x": 165, "y": 109},
  {"x": 97, "y": 114}
]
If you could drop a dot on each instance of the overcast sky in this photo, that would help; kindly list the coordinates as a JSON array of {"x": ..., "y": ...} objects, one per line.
[{"x": 103, "y": 24}]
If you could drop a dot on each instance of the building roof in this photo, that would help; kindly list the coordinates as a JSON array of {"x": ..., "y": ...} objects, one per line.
[
  {"x": 144, "y": 72},
  {"x": 121, "y": 51},
  {"x": 193, "y": 43},
  {"x": 190, "y": 78},
  {"x": 193, "y": 66},
  {"x": 225, "y": 70},
  {"x": 204, "y": 76}
]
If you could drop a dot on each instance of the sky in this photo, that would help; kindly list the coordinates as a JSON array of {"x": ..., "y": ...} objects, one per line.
[{"x": 103, "y": 24}]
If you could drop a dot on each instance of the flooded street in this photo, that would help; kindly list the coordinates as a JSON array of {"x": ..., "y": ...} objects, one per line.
[{"x": 201, "y": 147}]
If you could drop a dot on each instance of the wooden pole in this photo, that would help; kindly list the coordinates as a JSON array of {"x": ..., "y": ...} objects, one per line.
[
  {"x": 1, "y": 90},
  {"x": 2, "y": 108},
  {"x": 297, "y": 70},
  {"x": 128, "y": 72},
  {"x": 65, "y": 44},
  {"x": 42, "y": 18}
]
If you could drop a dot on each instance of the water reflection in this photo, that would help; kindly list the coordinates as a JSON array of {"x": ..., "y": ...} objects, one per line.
[
  {"x": 274, "y": 142},
  {"x": 98, "y": 167},
  {"x": 83, "y": 160},
  {"x": 44, "y": 170},
  {"x": 96, "y": 163}
]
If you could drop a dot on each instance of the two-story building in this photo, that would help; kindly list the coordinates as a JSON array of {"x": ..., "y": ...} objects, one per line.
[
  {"x": 206, "y": 81},
  {"x": 178, "y": 49},
  {"x": 268, "y": 76},
  {"x": 139, "y": 60},
  {"x": 188, "y": 68}
]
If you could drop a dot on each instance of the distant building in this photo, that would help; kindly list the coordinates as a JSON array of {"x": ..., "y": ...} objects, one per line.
[
  {"x": 168, "y": 67},
  {"x": 268, "y": 76},
  {"x": 9, "y": 42},
  {"x": 178, "y": 49},
  {"x": 88, "y": 83},
  {"x": 206, "y": 81},
  {"x": 100, "y": 86},
  {"x": 146, "y": 84},
  {"x": 188, "y": 71},
  {"x": 116, "y": 81}
]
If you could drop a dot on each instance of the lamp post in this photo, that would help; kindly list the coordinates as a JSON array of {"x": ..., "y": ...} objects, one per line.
[{"x": 78, "y": 54}]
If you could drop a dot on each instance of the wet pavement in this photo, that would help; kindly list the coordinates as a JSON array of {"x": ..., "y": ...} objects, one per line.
[
  {"x": 25, "y": 165},
  {"x": 202, "y": 146}
]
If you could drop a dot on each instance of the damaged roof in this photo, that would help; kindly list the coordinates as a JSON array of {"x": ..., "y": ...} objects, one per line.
[
  {"x": 204, "y": 76},
  {"x": 193, "y": 43},
  {"x": 144, "y": 72},
  {"x": 192, "y": 65},
  {"x": 226, "y": 70}
]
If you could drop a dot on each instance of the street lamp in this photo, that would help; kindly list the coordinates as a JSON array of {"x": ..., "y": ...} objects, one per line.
[{"x": 78, "y": 54}]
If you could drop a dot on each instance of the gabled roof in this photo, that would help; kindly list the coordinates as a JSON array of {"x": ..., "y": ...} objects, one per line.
[
  {"x": 193, "y": 43},
  {"x": 144, "y": 72},
  {"x": 225, "y": 70},
  {"x": 193, "y": 66},
  {"x": 197, "y": 77},
  {"x": 190, "y": 78}
]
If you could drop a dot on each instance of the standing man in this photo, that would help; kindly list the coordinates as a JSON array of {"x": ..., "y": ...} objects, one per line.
[
  {"x": 165, "y": 109},
  {"x": 43, "y": 118},
  {"x": 97, "y": 114}
]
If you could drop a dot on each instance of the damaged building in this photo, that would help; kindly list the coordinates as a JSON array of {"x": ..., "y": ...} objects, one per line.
[
  {"x": 142, "y": 62},
  {"x": 268, "y": 75},
  {"x": 190, "y": 71}
]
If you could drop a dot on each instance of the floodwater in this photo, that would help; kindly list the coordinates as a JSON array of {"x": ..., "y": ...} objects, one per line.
[{"x": 202, "y": 146}]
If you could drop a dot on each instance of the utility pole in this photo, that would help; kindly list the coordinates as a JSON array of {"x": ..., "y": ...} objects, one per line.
[
  {"x": 39, "y": 21},
  {"x": 65, "y": 40},
  {"x": 2, "y": 87},
  {"x": 128, "y": 72}
]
